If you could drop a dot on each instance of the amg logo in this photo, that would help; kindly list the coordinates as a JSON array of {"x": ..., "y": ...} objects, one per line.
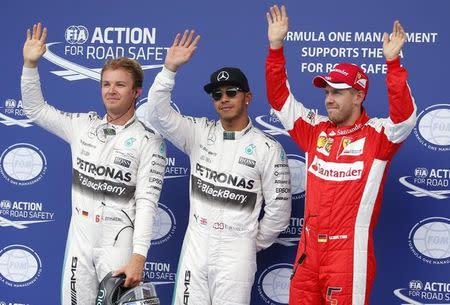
[
  {"x": 73, "y": 281},
  {"x": 247, "y": 162},
  {"x": 122, "y": 162},
  {"x": 187, "y": 282}
]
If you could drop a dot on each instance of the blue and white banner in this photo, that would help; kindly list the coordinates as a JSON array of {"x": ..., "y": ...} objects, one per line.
[{"x": 412, "y": 239}]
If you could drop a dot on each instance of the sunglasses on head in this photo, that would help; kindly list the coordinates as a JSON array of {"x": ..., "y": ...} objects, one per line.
[{"x": 230, "y": 92}]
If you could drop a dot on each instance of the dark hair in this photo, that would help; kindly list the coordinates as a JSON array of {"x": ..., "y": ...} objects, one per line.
[{"x": 129, "y": 65}]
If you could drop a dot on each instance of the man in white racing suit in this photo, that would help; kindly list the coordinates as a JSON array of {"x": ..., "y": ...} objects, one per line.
[
  {"x": 118, "y": 170},
  {"x": 235, "y": 167}
]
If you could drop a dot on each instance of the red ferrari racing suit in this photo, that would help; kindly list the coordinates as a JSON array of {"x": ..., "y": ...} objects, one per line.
[{"x": 346, "y": 170}]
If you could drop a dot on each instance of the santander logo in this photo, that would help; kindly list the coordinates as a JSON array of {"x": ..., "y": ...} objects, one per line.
[{"x": 336, "y": 171}]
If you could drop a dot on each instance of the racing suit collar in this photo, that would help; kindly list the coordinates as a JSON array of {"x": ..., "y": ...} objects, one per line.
[
  {"x": 235, "y": 135},
  {"x": 118, "y": 128},
  {"x": 363, "y": 118}
]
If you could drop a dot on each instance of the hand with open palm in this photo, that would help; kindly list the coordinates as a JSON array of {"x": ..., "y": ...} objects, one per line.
[
  {"x": 182, "y": 50},
  {"x": 392, "y": 45},
  {"x": 278, "y": 24},
  {"x": 34, "y": 46}
]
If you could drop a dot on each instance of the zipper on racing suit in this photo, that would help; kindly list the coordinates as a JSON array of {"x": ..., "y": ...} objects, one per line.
[{"x": 303, "y": 255}]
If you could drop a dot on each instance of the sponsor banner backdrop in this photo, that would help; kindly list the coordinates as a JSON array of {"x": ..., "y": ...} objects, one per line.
[{"x": 412, "y": 238}]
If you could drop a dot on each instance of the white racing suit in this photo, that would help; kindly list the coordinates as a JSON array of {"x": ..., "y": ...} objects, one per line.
[
  {"x": 232, "y": 173},
  {"x": 117, "y": 178}
]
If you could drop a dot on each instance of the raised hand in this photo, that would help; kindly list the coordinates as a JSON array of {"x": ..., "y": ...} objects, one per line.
[
  {"x": 181, "y": 51},
  {"x": 34, "y": 46},
  {"x": 393, "y": 45},
  {"x": 278, "y": 26}
]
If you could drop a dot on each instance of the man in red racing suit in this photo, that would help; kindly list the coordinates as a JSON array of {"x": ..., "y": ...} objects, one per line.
[{"x": 347, "y": 156}]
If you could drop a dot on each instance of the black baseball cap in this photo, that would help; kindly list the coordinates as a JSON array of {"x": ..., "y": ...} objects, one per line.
[{"x": 227, "y": 76}]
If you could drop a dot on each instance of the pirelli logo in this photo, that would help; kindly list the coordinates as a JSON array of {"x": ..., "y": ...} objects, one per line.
[{"x": 247, "y": 162}]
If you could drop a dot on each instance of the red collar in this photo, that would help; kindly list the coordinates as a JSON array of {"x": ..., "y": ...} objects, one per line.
[{"x": 360, "y": 122}]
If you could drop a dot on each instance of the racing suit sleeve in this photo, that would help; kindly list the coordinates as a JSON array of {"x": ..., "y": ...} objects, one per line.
[
  {"x": 298, "y": 120},
  {"x": 179, "y": 129},
  {"x": 149, "y": 181},
  {"x": 48, "y": 117},
  {"x": 277, "y": 196},
  {"x": 402, "y": 111}
]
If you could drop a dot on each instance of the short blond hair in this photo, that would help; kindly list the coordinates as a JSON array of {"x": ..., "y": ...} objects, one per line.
[{"x": 128, "y": 64}]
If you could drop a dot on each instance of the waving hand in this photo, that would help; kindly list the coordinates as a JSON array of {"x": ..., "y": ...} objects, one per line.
[
  {"x": 182, "y": 50},
  {"x": 277, "y": 20},
  {"x": 392, "y": 45},
  {"x": 34, "y": 46}
]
